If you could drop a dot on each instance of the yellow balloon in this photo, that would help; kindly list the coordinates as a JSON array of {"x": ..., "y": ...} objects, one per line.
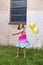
[
  {"x": 32, "y": 26},
  {"x": 35, "y": 31}
]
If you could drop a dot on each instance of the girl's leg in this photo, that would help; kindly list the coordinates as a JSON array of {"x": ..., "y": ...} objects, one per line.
[
  {"x": 18, "y": 51},
  {"x": 24, "y": 51}
]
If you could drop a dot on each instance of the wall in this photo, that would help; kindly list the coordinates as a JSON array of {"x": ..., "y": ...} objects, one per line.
[
  {"x": 4, "y": 19},
  {"x": 6, "y": 30},
  {"x": 35, "y": 15}
]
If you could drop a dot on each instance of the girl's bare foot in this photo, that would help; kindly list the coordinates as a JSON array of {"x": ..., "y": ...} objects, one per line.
[
  {"x": 16, "y": 56},
  {"x": 24, "y": 56}
]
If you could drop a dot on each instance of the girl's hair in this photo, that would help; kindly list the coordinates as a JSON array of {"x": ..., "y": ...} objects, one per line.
[{"x": 19, "y": 26}]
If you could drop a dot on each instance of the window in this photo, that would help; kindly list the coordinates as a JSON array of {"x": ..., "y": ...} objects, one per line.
[{"x": 18, "y": 11}]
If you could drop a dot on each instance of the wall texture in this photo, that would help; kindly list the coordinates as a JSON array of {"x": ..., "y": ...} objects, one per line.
[
  {"x": 4, "y": 19},
  {"x": 35, "y": 5},
  {"x": 34, "y": 14},
  {"x": 4, "y": 5}
]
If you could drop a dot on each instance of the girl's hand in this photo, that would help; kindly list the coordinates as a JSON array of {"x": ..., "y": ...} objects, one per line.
[{"x": 13, "y": 34}]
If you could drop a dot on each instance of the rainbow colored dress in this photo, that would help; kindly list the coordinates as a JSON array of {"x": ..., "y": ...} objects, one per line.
[{"x": 22, "y": 41}]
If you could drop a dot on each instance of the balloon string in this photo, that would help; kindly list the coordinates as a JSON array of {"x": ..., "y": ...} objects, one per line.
[{"x": 36, "y": 38}]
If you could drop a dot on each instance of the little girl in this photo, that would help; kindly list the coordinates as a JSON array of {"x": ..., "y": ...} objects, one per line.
[{"x": 22, "y": 40}]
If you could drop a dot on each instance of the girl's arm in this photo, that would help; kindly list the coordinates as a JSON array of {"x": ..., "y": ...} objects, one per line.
[
  {"x": 16, "y": 34},
  {"x": 19, "y": 32}
]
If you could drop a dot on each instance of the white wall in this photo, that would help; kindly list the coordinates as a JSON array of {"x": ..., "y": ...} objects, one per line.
[
  {"x": 4, "y": 19},
  {"x": 37, "y": 18},
  {"x": 33, "y": 15}
]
